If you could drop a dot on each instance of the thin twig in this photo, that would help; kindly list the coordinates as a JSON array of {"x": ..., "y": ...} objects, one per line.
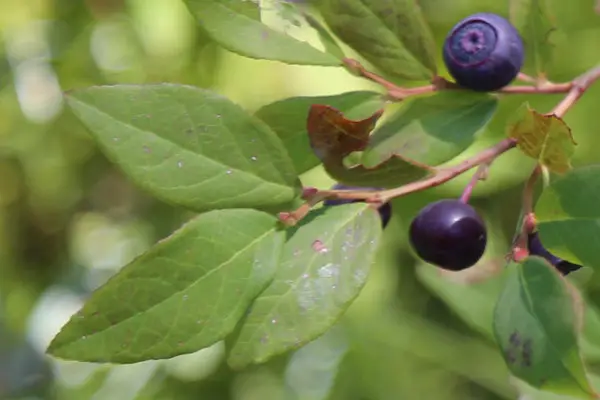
[
  {"x": 449, "y": 173},
  {"x": 580, "y": 85},
  {"x": 396, "y": 92},
  {"x": 383, "y": 196}
]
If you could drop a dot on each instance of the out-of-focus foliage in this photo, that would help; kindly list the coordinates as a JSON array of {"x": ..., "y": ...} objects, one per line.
[{"x": 69, "y": 219}]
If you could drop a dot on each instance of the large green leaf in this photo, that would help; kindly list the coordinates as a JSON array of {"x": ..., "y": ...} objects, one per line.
[
  {"x": 535, "y": 327},
  {"x": 233, "y": 29},
  {"x": 392, "y": 35},
  {"x": 288, "y": 119},
  {"x": 532, "y": 19},
  {"x": 431, "y": 130},
  {"x": 189, "y": 146},
  {"x": 568, "y": 216},
  {"x": 324, "y": 265},
  {"x": 185, "y": 293}
]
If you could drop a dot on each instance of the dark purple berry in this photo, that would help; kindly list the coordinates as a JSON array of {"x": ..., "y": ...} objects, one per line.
[
  {"x": 385, "y": 211},
  {"x": 449, "y": 233},
  {"x": 483, "y": 52},
  {"x": 536, "y": 248}
]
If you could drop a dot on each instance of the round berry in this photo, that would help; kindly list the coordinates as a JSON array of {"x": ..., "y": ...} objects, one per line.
[
  {"x": 483, "y": 52},
  {"x": 449, "y": 233},
  {"x": 385, "y": 211},
  {"x": 536, "y": 248}
]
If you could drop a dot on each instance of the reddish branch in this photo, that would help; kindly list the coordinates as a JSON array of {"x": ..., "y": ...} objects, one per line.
[
  {"x": 574, "y": 90},
  {"x": 438, "y": 84}
]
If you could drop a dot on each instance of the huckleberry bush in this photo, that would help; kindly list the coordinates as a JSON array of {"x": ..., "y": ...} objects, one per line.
[{"x": 269, "y": 264}]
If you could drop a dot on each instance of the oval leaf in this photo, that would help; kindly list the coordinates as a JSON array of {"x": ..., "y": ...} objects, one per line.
[
  {"x": 393, "y": 36},
  {"x": 288, "y": 119},
  {"x": 568, "y": 216},
  {"x": 324, "y": 265},
  {"x": 534, "y": 23},
  {"x": 545, "y": 138},
  {"x": 431, "y": 130},
  {"x": 235, "y": 31},
  {"x": 185, "y": 293},
  {"x": 189, "y": 146},
  {"x": 535, "y": 327}
]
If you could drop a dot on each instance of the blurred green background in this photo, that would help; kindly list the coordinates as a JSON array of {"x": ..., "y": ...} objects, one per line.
[{"x": 69, "y": 219}]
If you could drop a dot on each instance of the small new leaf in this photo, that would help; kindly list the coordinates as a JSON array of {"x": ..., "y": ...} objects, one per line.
[
  {"x": 287, "y": 118},
  {"x": 533, "y": 20},
  {"x": 189, "y": 146},
  {"x": 568, "y": 215},
  {"x": 546, "y": 138},
  {"x": 431, "y": 130},
  {"x": 184, "y": 294},
  {"x": 324, "y": 265},
  {"x": 237, "y": 32},
  {"x": 333, "y": 137},
  {"x": 535, "y": 325},
  {"x": 392, "y": 35}
]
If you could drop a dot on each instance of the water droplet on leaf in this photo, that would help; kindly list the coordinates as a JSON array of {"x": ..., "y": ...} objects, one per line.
[{"x": 319, "y": 247}]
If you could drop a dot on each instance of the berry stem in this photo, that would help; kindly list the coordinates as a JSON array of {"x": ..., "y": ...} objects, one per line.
[
  {"x": 380, "y": 197},
  {"x": 479, "y": 175},
  {"x": 579, "y": 86},
  {"x": 395, "y": 92}
]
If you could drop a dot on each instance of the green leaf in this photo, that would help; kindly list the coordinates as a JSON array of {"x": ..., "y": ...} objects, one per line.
[
  {"x": 328, "y": 41},
  {"x": 185, "y": 293},
  {"x": 568, "y": 216},
  {"x": 324, "y": 265},
  {"x": 535, "y": 327},
  {"x": 288, "y": 119},
  {"x": 473, "y": 302},
  {"x": 393, "y": 36},
  {"x": 241, "y": 34},
  {"x": 532, "y": 19},
  {"x": 189, "y": 146},
  {"x": 431, "y": 130},
  {"x": 545, "y": 138}
]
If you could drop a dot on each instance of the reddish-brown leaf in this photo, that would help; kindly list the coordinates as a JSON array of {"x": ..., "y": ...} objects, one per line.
[{"x": 333, "y": 137}]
